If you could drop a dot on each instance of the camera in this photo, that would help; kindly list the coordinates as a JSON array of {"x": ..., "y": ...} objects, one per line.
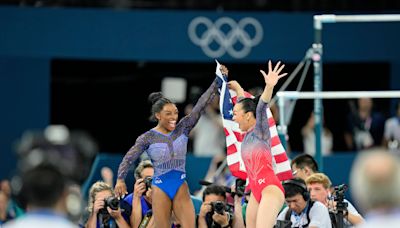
[
  {"x": 221, "y": 208},
  {"x": 147, "y": 181},
  {"x": 218, "y": 207},
  {"x": 112, "y": 202},
  {"x": 240, "y": 186},
  {"x": 341, "y": 205}
]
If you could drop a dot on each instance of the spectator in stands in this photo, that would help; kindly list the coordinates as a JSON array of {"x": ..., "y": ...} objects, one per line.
[
  {"x": 309, "y": 138},
  {"x": 107, "y": 175},
  {"x": 141, "y": 198},
  {"x": 100, "y": 203},
  {"x": 375, "y": 185},
  {"x": 392, "y": 131},
  {"x": 364, "y": 126},
  {"x": 319, "y": 185},
  {"x": 208, "y": 134},
  {"x": 301, "y": 210},
  {"x": 303, "y": 166},
  {"x": 214, "y": 211},
  {"x": 166, "y": 145}
]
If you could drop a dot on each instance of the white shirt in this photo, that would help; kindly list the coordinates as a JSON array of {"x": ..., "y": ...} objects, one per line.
[
  {"x": 208, "y": 137},
  {"x": 309, "y": 143},
  {"x": 351, "y": 209},
  {"x": 319, "y": 216},
  {"x": 392, "y": 128},
  {"x": 40, "y": 220},
  {"x": 387, "y": 220}
]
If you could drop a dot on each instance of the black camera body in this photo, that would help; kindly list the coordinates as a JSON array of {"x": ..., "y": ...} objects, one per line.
[
  {"x": 240, "y": 186},
  {"x": 147, "y": 181},
  {"x": 218, "y": 207},
  {"x": 341, "y": 205},
  {"x": 112, "y": 202}
]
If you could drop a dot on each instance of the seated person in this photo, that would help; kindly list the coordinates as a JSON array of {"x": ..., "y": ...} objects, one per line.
[
  {"x": 214, "y": 211},
  {"x": 141, "y": 198},
  {"x": 101, "y": 199},
  {"x": 319, "y": 186},
  {"x": 301, "y": 211}
]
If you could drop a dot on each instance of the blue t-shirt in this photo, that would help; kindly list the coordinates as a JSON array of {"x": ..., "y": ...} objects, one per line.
[{"x": 145, "y": 205}]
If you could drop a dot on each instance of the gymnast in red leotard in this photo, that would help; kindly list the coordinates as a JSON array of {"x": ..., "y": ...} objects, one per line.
[{"x": 267, "y": 194}]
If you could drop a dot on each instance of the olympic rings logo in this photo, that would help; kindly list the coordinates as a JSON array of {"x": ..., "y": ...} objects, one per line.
[{"x": 225, "y": 36}]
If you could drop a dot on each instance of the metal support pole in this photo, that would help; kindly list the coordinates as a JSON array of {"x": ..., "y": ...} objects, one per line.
[{"x": 318, "y": 108}]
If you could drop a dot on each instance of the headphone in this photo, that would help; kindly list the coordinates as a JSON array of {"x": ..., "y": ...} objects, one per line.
[{"x": 305, "y": 193}]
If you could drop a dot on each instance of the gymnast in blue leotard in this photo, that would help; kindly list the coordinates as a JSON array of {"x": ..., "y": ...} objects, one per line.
[{"x": 166, "y": 145}]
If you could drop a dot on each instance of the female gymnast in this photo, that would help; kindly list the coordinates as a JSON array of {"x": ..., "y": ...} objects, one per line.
[
  {"x": 267, "y": 194},
  {"x": 166, "y": 145}
]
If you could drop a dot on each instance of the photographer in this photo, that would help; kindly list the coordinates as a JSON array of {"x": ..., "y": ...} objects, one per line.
[
  {"x": 141, "y": 199},
  {"x": 104, "y": 208},
  {"x": 319, "y": 186},
  {"x": 214, "y": 211},
  {"x": 301, "y": 211}
]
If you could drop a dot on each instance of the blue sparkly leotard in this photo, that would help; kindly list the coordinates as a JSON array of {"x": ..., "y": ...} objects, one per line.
[{"x": 168, "y": 151}]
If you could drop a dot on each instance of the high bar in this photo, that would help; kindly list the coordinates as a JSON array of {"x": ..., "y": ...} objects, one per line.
[
  {"x": 332, "y": 18},
  {"x": 338, "y": 94}
]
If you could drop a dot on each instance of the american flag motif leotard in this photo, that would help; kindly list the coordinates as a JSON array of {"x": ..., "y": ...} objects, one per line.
[{"x": 256, "y": 154}]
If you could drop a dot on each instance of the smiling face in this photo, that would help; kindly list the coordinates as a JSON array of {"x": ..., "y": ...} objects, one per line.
[
  {"x": 241, "y": 117},
  {"x": 168, "y": 117}
]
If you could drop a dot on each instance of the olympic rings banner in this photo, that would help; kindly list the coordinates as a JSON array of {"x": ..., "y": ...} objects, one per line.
[
  {"x": 151, "y": 35},
  {"x": 182, "y": 35},
  {"x": 237, "y": 40}
]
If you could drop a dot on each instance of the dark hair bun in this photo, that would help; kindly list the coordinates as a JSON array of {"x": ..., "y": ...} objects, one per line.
[
  {"x": 154, "y": 97},
  {"x": 256, "y": 99}
]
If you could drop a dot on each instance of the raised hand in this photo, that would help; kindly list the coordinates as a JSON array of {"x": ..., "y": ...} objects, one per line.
[
  {"x": 234, "y": 85},
  {"x": 273, "y": 74},
  {"x": 120, "y": 189},
  {"x": 224, "y": 70}
]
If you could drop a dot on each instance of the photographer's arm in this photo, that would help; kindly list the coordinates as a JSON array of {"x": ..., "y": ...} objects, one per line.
[
  {"x": 222, "y": 220},
  {"x": 354, "y": 219},
  {"x": 237, "y": 216},
  {"x": 136, "y": 215},
  {"x": 204, "y": 209},
  {"x": 92, "y": 221},
  {"x": 119, "y": 219}
]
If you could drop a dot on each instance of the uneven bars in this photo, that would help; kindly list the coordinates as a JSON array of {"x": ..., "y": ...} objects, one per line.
[
  {"x": 338, "y": 94},
  {"x": 317, "y": 46},
  {"x": 332, "y": 18}
]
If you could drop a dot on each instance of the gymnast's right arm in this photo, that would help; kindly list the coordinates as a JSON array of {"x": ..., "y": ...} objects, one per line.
[{"x": 130, "y": 157}]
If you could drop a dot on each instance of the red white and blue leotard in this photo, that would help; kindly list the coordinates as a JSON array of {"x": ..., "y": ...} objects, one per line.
[{"x": 256, "y": 154}]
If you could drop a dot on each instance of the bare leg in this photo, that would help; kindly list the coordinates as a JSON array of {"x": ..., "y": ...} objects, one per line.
[
  {"x": 162, "y": 206},
  {"x": 251, "y": 212},
  {"x": 183, "y": 207},
  {"x": 271, "y": 203}
]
